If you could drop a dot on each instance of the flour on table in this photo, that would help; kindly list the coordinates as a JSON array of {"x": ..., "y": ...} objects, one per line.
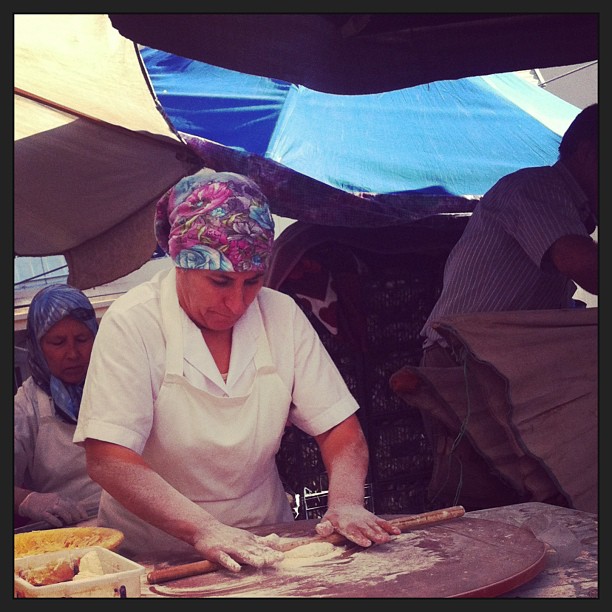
[
  {"x": 315, "y": 575},
  {"x": 312, "y": 554},
  {"x": 314, "y": 549}
]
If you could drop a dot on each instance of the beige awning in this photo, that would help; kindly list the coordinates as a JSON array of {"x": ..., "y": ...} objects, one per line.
[{"x": 93, "y": 151}]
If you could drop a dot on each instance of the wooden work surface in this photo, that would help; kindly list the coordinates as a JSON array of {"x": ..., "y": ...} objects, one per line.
[
  {"x": 572, "y": 557},
  {"x": 526, "y": 550}
]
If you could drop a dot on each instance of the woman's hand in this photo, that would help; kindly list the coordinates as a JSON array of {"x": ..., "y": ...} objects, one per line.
[
  {"x": 357, "y": 524},
  {"x": 52, "y": 508},
  {"x": 230, "y": 547},
  {"x": 345, "y": 454}
]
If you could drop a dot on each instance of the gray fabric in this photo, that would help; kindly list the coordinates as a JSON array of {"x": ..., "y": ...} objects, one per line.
[{"x": 525, "y": 394}]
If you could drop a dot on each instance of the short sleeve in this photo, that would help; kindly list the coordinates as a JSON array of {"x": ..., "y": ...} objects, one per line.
[{"x": 321, "y": 398}]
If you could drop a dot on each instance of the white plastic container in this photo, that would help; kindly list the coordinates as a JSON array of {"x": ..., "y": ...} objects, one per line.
[{"x": 121, "y": 577}]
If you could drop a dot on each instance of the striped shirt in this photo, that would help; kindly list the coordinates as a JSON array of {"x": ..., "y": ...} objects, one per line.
[{"x": 496, "y": 264}]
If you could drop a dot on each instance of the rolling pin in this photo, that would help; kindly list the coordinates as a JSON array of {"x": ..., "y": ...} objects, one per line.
[{"x": 405, "y": 523}]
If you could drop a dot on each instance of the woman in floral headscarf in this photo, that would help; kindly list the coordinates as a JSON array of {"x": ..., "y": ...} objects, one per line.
[
  {"x": 51, "y": 481},
  {"x": 193, "y": 378}
]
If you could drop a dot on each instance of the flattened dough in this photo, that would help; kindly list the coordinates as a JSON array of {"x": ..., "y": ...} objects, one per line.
[{"x": 314, "y": 549}]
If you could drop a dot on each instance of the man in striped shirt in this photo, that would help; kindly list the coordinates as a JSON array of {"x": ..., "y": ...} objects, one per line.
[{"x": 527, "y": 244}]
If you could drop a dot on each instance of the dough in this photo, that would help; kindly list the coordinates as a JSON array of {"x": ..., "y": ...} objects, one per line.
[
  {"x": 274, "y": 539},
  {"x": 90, "y": 566},
  {"x": 314, "y": 549}
]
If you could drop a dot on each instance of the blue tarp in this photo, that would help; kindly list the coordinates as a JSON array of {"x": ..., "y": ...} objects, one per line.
[{"x": 447, "y": 137}]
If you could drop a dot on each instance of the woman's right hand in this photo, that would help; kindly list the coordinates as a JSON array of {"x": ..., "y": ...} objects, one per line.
[{"x": 230, "y": 547}]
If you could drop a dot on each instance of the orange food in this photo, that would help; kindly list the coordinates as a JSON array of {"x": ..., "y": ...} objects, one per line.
[
  {"x": 50, "y": 540},
  {"x": 52, "y": 573}
]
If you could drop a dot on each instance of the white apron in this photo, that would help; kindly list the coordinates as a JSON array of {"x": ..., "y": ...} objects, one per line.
[
  {"x": 59, "y": 465},
  {"x": 218, "y": 451}
]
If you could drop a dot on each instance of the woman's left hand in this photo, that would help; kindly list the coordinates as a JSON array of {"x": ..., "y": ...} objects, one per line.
[{"x": 357, "y": 524}]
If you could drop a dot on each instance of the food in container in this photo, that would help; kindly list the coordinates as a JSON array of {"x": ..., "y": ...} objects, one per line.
[{"x": 77, "y": 572}]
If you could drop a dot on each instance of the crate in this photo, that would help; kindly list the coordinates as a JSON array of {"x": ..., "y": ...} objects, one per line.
[
  {"x": 400, "y": 496},
  {"x": 400, "y": 290},
  {"x": 299, "y": 462},
  {"x": 121, "y": 577},
  {"x": 399, "y": 449},
  {"x": 384, "y": 334},
  {"x": 313, "y": 504},
  {"x": 397, "y": 300},
  {"x": 377, "y": 398},
  {"x": 396, "y": 294}
]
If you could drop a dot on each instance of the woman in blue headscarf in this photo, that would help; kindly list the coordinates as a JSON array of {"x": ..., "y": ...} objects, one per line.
[{"x": 51, "y": 481}]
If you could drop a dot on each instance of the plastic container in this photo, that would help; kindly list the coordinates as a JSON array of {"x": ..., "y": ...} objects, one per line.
[{"x": 121, "y": 578}]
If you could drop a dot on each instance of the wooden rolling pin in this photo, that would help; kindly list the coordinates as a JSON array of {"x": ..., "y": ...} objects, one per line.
[{"x": 405, "y": 523}]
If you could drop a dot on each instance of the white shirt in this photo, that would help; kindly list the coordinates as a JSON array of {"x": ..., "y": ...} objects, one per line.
[{"x": 128, "y": 364}]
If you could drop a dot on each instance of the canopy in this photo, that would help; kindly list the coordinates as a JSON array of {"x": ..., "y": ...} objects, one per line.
[
  {"x": 448, "y": 137},
  {"x": 369, "y": 53},
  {"x": 94, "y": 149}
]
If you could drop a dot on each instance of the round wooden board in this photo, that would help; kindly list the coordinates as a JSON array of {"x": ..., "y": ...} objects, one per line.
[{"x": 464, "y": 557}]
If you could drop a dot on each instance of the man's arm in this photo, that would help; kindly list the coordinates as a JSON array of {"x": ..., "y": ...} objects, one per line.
[{"x": 577, "y": 257}]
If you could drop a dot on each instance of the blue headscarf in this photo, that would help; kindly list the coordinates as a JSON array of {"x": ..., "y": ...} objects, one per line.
[{"x": 50, "y": 305}]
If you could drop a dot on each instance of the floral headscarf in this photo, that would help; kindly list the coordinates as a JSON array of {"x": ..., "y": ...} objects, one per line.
[
  {"x": 49, "y": 306},
  {"x": 215, "y": 221}
]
